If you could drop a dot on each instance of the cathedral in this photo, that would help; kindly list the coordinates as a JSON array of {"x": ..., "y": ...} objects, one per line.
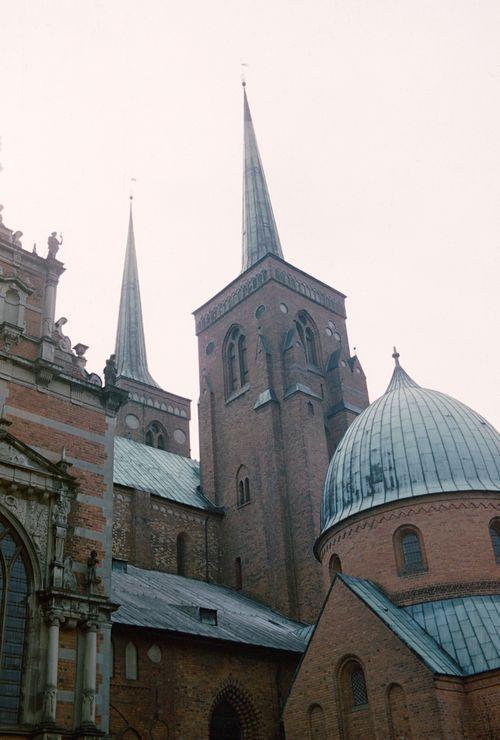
[{"x": 329, "y": 569}]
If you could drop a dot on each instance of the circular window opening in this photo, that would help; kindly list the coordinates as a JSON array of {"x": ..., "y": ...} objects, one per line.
[
  {"x": 260, "y": 311},
  {"x": 132, "y": 421},
  {"x": 283, "y": 308},
  {"x": 332, "y": 325},
  {"x": 337, "y": 336},
  {"x": 179, "y": 436},
  {"x": 328, "y": 332},
  {"x": 154, "y": 654},
  {"x": 210, "y": 348}
]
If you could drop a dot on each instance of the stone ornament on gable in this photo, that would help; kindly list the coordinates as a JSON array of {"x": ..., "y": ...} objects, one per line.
[
  {"x": 63, "y": 342},
  {"x": 54, "y": 243}
]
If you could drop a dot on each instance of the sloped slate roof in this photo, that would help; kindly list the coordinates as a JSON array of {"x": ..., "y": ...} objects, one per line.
[
  {"x": 467, "y": 628},
  {"x": 406, "y": 628},
  {"x": 163, "y": 473},
  {"x": 165, "y": 601}
]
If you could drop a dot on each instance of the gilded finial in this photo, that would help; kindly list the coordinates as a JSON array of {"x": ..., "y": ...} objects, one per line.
[{"x": 395, "y": 354}]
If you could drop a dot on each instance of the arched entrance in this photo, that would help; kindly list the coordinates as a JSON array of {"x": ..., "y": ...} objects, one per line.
[{"x": 225, "y": 723}]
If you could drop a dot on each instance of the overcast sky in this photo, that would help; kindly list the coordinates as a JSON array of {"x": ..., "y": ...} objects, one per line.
[{"x": 378, "y": 124}]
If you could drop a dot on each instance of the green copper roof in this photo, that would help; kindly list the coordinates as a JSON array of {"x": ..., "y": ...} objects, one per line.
[
  {"x": 467, "y": 628},
  {"x": 162, "y": 473},
  {"x": 402, "y": 624},
  {"x": 410, "y": 442},
  {"x": 130, "y": 348},
  {"x": 260, "y": 235}
]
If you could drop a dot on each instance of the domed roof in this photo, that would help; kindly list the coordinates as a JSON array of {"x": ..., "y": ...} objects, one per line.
[{"x": 410, "y": 442}]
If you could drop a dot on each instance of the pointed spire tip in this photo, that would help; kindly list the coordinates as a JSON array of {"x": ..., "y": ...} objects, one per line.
[{"x": 395, "y": 355}]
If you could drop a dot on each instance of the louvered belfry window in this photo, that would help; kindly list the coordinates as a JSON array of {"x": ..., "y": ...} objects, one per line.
[{"x": 13, "y": 615}]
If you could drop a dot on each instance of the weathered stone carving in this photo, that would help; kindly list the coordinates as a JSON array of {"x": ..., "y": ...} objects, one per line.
[
  {"x": 92, "y": 577},
  {"x": 54, "y": 243},
  {"x": 69, "y": 578}
]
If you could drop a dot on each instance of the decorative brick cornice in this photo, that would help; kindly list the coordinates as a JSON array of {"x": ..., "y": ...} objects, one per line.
[
  {"x": 438, "y": 591},
  {"x": 405, "y": 512}
]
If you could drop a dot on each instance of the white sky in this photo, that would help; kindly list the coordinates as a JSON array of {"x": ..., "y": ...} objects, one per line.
[{"x": 377, "y": 123}]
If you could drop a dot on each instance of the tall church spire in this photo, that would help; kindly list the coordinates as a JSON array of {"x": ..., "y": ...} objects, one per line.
[
  {"x": 260, "y": 235},
  {"x": 130, "y": 350}
]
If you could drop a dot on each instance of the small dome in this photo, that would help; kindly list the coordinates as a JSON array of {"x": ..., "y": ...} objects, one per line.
[{"x": 410, "y": 442}]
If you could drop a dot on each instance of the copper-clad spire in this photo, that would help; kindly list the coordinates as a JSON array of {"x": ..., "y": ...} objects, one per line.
[
  {"x": 131, "y": 361},
  {"x": 260, "y": 235}
]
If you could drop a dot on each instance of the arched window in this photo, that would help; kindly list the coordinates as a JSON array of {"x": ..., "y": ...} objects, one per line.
[
  {"x": 409, "y": 551},
  {"x": 131, "y": 662},
  {"x": 182, "y": 554},
  {"x": 495, "y": 538},
  {"x": 13, "y": 614},
  {"x": 225, "y": 722},
  {"x": 12, "y": 302},
  {"x": 242, "y": 486},
  {"x": 308, "y": 335},
  {"x": 238, "y": 574},
  {"x": 399, "y": 718},
  {"x": 156, "y": 436},
  {"x": 317, "y": 729},
  {"x": 358, "y": 687},
  {"x": 334, "y": 566},
  {"x": 236, "y": 364}
]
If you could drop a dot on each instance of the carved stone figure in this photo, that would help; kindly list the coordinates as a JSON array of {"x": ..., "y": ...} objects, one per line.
[
  {"x": 54, "y": 243},
  {"x": 92, "y": 563},
  {"x": 62, "y": 340},
  {"x": 69, "y": 578},
  {"x": 16, "y": 239},
  {"x": 110, "y": 371}
]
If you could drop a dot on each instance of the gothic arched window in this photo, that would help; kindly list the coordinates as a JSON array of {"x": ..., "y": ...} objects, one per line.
[
  {"x": 495, "y": 538},
  {"x": 13, "y": 615},
  {"x": 156, "y": 435},
  {"x": 334, "y": 566},
  {"x": 409, "y": 550},
  {"x": 242, "y": 486},
  {"x": 399, "y": 717},
  {"x": 182, "y": 554},
  {"x": 308, "y": 335},
  {"x": 235, "y": 362}
]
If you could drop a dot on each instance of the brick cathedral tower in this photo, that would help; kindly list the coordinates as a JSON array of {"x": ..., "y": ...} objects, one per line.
[
  {"x": 278, "y": 388},
  {"x": 151, "y": 415}
]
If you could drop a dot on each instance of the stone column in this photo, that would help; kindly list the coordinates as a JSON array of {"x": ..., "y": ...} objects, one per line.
[
  {"x": 50, "y": 694},
  {"x": 49, "y": 306},
  {"x": 89, "y": 676}
]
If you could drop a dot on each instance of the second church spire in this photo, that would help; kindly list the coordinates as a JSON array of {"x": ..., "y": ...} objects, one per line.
[{"x": 260, "y": 235}]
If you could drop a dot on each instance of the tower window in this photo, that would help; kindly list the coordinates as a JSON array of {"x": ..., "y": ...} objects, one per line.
[
  {"x": 131, "y": 669},
  {"x": 236, "y": 363},
  {"x": 308, "y": 336},
  {"x": 156, "y": 436},
  {"x": 334, "y": 566},
  {"x": 242, "y": 486},
  {"x": 495, "y": 538},
  {"x": 409, "y": 551}
]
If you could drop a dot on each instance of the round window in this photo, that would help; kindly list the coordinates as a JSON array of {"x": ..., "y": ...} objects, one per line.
[
  {"x": 154, "y": 654},
  {"x": 132, "y": 421},
  {"x": 283, "y": 308},
  {"x": 328, "y": 332},
  {"x": 179, "y": 436},
  {"x": 337, "y": 336},
  {"x": 210, "y": 348}
]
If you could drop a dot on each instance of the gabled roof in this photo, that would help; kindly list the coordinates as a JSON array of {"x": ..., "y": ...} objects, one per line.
[
  {"x": 165, "y": 601},
  {"x": 402, "y": 624},
  {"x": 467, "y": 628},
  {"x": 165, "y": 474}
]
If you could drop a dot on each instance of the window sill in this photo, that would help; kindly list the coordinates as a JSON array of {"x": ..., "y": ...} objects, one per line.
[
  {"x": 242, "y": 506},
  {"x": 236, "y": 394},
  {"x": 412, "y": 573}
]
